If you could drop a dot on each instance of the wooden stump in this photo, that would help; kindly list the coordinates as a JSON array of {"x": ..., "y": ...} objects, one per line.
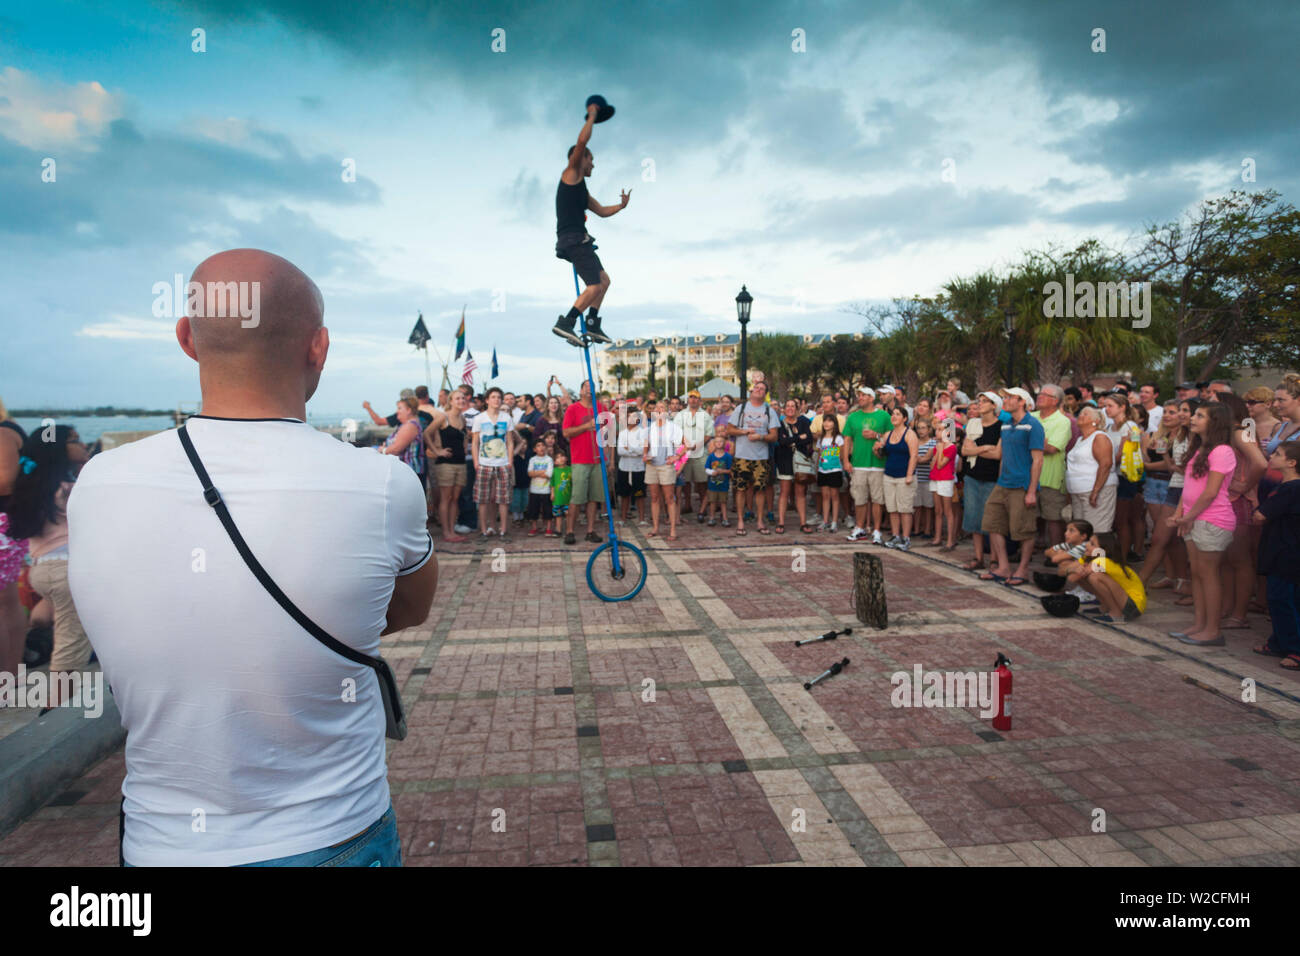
[{"x": 869, "y": 590}]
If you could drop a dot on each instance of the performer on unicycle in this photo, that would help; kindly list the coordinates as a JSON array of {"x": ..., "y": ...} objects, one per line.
[{"x": 572, "y": 242}]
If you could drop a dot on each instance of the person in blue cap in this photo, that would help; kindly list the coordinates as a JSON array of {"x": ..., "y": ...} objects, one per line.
[{"x": 572, "y": 243}]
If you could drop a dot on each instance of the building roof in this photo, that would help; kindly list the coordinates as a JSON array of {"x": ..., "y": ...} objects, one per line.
[
  {"x": 715, "y": 339},
  {"x": 717, "y": 387}
]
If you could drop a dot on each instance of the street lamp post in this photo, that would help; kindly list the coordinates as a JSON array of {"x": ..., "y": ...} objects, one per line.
[
  {"x": 1009, "y": 326},
  {"x": 654, "y": 356},
  {"x": 743, "y": 302}
]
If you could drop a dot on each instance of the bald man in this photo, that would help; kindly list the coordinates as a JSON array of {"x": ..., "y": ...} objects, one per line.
[{"x": 235, "y": 714}]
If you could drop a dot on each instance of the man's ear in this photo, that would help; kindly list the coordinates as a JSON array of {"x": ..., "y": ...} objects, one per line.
[{"x": 185, "y": 336}]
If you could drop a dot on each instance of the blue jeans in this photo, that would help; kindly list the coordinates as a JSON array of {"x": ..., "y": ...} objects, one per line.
[
  {"x": 378, "y": 845},
  {"x": 467, "y": 511},
  {"x": 975, "y": 496},
  {"x": 1282, "y": 608}
]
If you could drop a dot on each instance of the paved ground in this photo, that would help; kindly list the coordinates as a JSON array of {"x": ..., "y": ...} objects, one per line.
[{"x": 527, "y": 695}]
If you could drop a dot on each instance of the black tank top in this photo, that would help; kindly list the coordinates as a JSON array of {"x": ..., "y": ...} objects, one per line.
[
  {"x": 453, "y": 439},
  {"x": 571, "y": 209}
]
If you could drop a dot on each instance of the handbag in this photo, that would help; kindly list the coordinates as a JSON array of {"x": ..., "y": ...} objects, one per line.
[
  {"x": 394, "y": 717},
  {"x": 1130, "y": 462}
]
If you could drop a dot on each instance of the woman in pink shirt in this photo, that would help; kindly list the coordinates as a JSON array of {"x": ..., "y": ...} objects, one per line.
[{"x": 1206, "y": 519}]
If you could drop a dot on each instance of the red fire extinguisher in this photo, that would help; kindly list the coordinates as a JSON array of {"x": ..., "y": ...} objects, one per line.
[{"x": 1002, "y": 719}]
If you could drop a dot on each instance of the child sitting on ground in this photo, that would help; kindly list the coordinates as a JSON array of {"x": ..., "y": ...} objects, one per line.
[
  {"x": 1073, "y": 548},
  {"x": 717, "y": 468},
  {"x": 1119, "y": 589}
]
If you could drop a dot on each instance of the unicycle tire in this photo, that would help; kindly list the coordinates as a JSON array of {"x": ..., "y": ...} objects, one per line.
[{"x": 600, "y": 572}]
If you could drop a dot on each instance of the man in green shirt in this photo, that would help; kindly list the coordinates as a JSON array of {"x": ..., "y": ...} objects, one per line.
[
  {"x": 863, "y": 427},
  {"x": 1052, "y": 497}
]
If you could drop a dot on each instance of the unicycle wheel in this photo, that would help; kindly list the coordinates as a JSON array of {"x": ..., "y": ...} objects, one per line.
[{"x": 616, "y": 584}]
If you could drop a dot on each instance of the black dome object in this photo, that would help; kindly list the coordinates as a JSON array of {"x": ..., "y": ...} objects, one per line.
[
  {"x": 1049, "y": 581},
  {"x": 603, "y": 110},
  {"x": 1060, "y": 605}
]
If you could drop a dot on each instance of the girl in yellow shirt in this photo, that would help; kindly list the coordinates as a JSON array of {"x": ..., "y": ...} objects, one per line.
[{"x": 1105, "y": 574}]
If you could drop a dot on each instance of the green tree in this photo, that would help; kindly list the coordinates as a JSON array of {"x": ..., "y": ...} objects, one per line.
[
  {"x": 1205, "y": 263},
  {"x": 973, "y": 331},
  {"x": 781, "y": 356}
]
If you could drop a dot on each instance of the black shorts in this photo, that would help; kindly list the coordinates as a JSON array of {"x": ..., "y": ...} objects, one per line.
[
  {"x": 833, "y": 479},
  {"x": 584, "y": 259},
  {"x": 630, "y": 484},
  {"x": 539, "y": 506}
]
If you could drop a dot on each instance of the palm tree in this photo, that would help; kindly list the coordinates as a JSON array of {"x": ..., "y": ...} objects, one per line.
[
  {"x": 975, "y": 328},
  {"x": 623, "y": 372}
]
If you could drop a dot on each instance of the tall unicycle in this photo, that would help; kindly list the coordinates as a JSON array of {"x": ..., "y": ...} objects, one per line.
[{"x": 616, "y": 571}]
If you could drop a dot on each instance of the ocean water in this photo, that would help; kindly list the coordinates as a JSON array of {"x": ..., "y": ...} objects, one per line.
[{"x": 90, "y": 427}]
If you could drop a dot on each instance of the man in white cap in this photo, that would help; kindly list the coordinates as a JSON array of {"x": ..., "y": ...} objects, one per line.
[
  {"x": 862, "y": 428},
  {"x": 1012, "y": 508}
]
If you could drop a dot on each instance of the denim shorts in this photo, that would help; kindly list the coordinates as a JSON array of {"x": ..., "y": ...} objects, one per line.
[
  {"x": 377, "y": 845},
  {"x": 1128, "y": 490},
  {"x": 1156, "y": 491}
]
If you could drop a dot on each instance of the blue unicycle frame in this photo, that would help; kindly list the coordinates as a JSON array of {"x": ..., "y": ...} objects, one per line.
[{"x": 620, "y": 552}]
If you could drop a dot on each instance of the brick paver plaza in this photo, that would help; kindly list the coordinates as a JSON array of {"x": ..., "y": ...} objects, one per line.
[{"x": 527, "y": 696}]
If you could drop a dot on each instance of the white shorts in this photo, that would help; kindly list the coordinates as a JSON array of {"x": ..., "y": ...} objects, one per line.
[{"x": 943, "y": 488}]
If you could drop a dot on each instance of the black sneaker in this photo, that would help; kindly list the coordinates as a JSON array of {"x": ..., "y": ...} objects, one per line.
[
  {"x": 593, "y": 537},
  {"x": 570, "y": 539},
  {"x": 595, "y": 334},
  {"x": 564, "y": 329}
]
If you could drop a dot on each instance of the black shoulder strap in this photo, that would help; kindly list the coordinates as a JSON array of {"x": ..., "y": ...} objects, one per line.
[{"x": 213, "y": 498}]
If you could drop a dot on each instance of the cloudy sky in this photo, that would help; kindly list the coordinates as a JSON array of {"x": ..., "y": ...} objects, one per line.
[{"x": 800, "y": 148}]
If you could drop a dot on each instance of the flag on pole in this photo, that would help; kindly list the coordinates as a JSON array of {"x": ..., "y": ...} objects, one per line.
[
  {"x": 494, "y": 361},
  {"x": 468, "y": 376},
  {"x": 420, "y": 334},
  {"x": 460, "y": 335}
]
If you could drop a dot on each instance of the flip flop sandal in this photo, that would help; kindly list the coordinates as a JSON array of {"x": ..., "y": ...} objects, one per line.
[
  {"x": 1104, "y": 619},
  {"x": 1185, "y": 601},
  {"x": 1015, "y": 582},
  {"x": 806, "y": 528},
  {"x": 1265, "y": 651},
  {"x": 1234, "y": 624},
  {"x": 1161, "y": 585},
  {"x": 779, "y": 529},
  {"x": 764, "y": 531},
  {"x": 993, "y": 577},
  {"x": 973, "y": 566},
  {"x": 1291, "y": 662},
  {"x": 742, "y": 531}
]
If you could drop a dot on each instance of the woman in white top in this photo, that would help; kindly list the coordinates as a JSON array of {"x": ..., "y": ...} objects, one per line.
[
  {"x": 1130, "y": 509},
  {"x": 1090, "y": 476},
  {"x": 663, "y": 450},
  {"x": 630, "y": 485}
]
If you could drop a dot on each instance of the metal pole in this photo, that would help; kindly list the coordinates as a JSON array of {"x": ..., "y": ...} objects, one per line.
[{"x": 744, "y": 364}]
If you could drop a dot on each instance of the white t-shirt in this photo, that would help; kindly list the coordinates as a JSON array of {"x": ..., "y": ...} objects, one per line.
[
  {"x": 493, "y": 450},
  {"x": 1154, "y": 416},
  {"x": 230, "y": 706},
  {"x": 697, "y": 428},
  {"x": 541, "y": 486},
  {"x": 631, "y": 448},
  {"x": 664, "y": 438}
]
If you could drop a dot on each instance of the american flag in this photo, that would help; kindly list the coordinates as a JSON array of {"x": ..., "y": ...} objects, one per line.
[{"x": 468, "y": 376}]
